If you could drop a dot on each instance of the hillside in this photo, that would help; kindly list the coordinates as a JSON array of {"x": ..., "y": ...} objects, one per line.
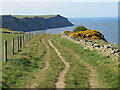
[{"x": 33, "y": 23}]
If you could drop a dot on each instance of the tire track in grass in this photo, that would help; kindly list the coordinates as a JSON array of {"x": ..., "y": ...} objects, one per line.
[
  {"x": 93, "y": 75},
  {"x": 47, "y": 64},
  {"x": 60, "y": 82},
  {"x": 39, "y": 74}
]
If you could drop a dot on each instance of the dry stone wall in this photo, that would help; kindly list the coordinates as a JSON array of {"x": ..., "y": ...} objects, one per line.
[{"x": 108, "y": 50}]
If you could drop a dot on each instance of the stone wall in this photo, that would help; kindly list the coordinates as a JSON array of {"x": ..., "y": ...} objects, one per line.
[{"x": 108, "y": 50}]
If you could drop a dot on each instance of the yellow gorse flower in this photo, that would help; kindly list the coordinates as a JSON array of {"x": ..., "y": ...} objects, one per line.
[{"x": 88, "y": 34}]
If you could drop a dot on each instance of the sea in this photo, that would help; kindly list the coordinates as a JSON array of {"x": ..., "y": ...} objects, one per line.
[{"x": 107, "y": 26}]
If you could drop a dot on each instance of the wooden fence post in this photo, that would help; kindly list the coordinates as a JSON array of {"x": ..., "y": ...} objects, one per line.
[
  {"x": 29, "y": 36},
  {"x": 23, "y": 40},
  {"x": 18, "y": 43},
  {"x": 12, "y": 45},
  {"x": 5, "y": 51},
  {"x": 32, "y": 35}
]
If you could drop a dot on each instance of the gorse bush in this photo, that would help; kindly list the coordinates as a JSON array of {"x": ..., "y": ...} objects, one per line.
[
  {"x": 80, "y": 28},
  {"x": 87, "y": 34},
  {"x": 82, "y": 32}
]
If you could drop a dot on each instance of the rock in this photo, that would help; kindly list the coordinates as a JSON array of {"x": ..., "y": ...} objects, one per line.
[
  {"x": 113, "y": 51},
  {"x": 96, "y": 45},
  {"x": 117, "y": 50},
  {"x": 89, "y": 40},
  {"x": 77, "y": 39},
  {"x": 86, "y": 40}
]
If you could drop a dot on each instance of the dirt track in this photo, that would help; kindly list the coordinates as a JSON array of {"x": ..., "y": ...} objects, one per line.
[
  {"x": 93, "y": 75},
  {"x": 60, "y": 83}
]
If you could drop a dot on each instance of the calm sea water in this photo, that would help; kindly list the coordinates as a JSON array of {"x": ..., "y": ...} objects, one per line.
[{"x": 107, "y": 26}]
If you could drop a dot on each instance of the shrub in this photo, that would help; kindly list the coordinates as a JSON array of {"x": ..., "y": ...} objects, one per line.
[
  {"x": 80, "y": 28},
  {"x": 88, "y": 34},
  {"x": 67, "y": 31}
]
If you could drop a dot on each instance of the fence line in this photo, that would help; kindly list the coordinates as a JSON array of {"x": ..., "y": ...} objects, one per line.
[
  {"x": 21, "y": 41},
  {"x": 5, "y": 50},
  {"x": 12, "y": 46}
]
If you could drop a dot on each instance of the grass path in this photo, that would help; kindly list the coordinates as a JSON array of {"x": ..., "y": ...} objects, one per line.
[
  {"x": 60, "y": 83},
  {"x": 92, "y": 71},
  {"x": 102, "y": 70},
  {"x": 47, "y": 63},
  {"x": 93, "y": 74},
  {"x": 40, "y": 73}
]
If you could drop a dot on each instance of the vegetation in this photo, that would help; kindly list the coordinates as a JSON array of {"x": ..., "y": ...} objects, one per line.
[
  {"x": 22, "y": 68},
  {"x": 107, "y": 68},
  {"x": 82, "y": 32},
  {"x": 26, "y": 66},
  {"x": 5, "y": 30},
  {"x": 33, "y": 16},
  {"x": 79, "y": 28},
  {"x": 8, "y": 37},
  {"x": 77, "y": 77},
  {"x": 88, "y": 34},
  {"x": 67, "y": 31}
]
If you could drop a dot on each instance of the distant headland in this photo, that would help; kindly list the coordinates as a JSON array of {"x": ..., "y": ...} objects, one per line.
[{"x": 33, "y": 23}]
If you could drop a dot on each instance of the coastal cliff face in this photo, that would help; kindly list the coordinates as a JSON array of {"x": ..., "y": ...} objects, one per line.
[{"x": 34, "y": 23}]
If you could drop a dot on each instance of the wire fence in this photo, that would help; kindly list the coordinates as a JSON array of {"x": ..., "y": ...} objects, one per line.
[{"x": 10, "y": 47}]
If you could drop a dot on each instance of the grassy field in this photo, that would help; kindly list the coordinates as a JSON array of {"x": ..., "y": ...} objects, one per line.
[{"x": 38, "y": 65}]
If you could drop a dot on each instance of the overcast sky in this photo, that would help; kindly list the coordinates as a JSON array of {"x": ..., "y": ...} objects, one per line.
[{"x": 68, "y": 9}]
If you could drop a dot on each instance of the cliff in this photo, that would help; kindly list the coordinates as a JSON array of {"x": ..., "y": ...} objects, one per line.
[{"x": 33, "y": 23}]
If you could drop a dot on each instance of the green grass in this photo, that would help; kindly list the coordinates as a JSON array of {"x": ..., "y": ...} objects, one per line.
[
  {"x": 9, "y": 37},
  {"x": 77, "y": 76},
  {"x": 32, "y": 16},
  {"x": 50, "y": 76},
  {"x": 106, "y": 67},
  {"x": 23, "y": 67},
  {"x": 10, "y": 31}
]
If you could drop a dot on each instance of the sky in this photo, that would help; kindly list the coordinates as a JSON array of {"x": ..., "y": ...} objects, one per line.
[
  {"x": 90, "y": 8},
  {"x": 59, "y": 0}
]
